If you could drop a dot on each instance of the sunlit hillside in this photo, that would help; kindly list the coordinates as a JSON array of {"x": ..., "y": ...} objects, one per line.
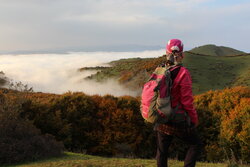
[
  {"x": 213, "y": 50},
  {"x": 208, "y": 72}
]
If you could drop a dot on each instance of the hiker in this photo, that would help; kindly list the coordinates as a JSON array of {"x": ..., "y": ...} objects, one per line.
[{"x": 181, "y": 98}]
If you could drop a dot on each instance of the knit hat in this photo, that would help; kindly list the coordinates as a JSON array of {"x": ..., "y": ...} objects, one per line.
[{"x": 174, "y": 45}]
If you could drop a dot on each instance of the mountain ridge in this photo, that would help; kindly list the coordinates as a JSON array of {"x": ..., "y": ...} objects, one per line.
[
  {"x": 208, "y": 72},
  {"x": 213, "y": 50}
]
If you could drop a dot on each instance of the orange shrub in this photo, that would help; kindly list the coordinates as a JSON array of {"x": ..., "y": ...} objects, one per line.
[
  {"x": 235, "y": 129},
  {"x": 109, "y": 125}
]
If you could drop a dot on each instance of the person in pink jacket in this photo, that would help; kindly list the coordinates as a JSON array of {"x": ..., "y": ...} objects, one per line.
[{"x": 181, "y": 94}]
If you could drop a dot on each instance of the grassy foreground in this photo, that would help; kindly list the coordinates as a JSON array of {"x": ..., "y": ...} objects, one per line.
[{"x": 82, "y": 160}]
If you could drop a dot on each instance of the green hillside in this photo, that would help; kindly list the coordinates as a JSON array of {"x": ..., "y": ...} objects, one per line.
[
  {"x": 213, "y": 50},
  {"x": 208, "y": 72}
]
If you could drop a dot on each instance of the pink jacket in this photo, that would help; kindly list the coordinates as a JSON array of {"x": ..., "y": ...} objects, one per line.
[{"x": 182, "y": 93}]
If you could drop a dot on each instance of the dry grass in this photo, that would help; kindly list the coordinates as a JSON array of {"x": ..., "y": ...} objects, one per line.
[{"x": 82, "y": 160}]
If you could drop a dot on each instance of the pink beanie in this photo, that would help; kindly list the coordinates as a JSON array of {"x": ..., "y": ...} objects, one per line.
[{"x": 174, "y": 45}]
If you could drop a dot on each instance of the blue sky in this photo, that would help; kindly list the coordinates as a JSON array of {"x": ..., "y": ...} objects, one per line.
[{"x": 33, "y": 25}]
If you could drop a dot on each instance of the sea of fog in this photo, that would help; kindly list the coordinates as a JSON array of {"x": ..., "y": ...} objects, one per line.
[{"x": 58, "y": 73}]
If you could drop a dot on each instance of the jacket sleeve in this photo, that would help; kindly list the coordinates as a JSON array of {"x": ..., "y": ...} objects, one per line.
[{"x": 186, "y": 96}]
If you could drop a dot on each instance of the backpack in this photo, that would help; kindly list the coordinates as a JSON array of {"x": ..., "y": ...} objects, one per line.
[{"x": 156, "y": 98}]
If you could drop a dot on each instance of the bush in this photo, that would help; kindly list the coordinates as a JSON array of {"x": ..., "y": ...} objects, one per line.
[
  {"x": 19, "y": 139},
  {"x": 237, "y": 137},
  {"x": 113, "y": 126},
  {"x": 224, "y": 123}
]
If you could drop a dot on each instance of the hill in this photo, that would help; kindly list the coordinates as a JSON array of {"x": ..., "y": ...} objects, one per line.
[
  {"x": 211, "y": 73},
  {"x": 213, "y": 50},
  {"x": 208, "y": 72},
  {"x": 3, "y": 79}
]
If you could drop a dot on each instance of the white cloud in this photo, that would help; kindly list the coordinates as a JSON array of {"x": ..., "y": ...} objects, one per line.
[
  {"x": 114, "y": 19},
  {"x": 57, "y": 73}
]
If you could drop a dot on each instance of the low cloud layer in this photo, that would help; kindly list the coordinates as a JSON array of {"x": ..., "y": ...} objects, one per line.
[{"x": 57, "y": 73}]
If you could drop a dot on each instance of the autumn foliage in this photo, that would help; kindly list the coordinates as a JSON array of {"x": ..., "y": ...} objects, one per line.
[
  {"x": 20, "y": 140},
  {"x": 225, "y": 123},
  {"x": 113, "y": 126}
]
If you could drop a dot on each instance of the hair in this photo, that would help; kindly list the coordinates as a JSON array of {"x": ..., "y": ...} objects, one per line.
[{"x": 171, "y": 57}]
